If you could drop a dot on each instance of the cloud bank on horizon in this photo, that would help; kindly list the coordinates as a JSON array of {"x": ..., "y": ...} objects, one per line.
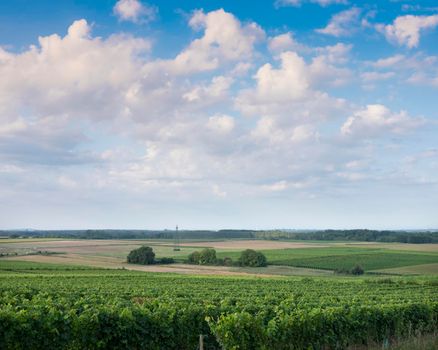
[{"x": 298, "y": 114}]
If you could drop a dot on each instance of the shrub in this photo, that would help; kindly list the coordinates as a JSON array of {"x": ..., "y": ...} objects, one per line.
[
  {"x": 252, "y": 258},
  {"x": 166, "y": 261},
  {"x": 228, "y": 261},
  {"x": 357, "y": 270},
  {"x": 207, "y": 256},
  {"x": 193, "y": 258},
  {"x": 143, "y": 255}
]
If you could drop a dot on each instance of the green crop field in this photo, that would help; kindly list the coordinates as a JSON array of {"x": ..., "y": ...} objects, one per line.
[
  {"x": 334, "y": 258},
  {"x": 45, "y": 306},
  {"x": 58, "y": 299}
]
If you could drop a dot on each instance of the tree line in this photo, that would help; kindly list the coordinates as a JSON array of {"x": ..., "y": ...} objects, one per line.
[{"x": 361, "y": 235}]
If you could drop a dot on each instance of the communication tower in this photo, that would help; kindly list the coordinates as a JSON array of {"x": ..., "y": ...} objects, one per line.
[{"x": 176, "y": 247}]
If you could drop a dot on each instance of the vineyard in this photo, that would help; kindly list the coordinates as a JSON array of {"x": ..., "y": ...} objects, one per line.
[
  {"x": 334, "y": 258},
  {"x": 45, "y": 306}
]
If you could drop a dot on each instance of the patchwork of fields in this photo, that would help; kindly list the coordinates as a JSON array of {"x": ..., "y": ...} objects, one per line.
[
  {"x": 302, "y": 258},
  {"x": 79, "y": 294}
]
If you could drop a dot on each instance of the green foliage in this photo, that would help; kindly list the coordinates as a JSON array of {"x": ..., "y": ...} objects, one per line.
[
  {"x": 343, "y": 258},
  {"x": 252, "y": 258},
  {"x": 330, "y": 328},
  {"x": 357, "y": 270},
  {"x": 193, "y": 258},
  {"x": 227, "y": 261},
  {"x": 165, "y": 260},
  {"x": 143, "y": 255},
  {"x": 207, "y": 256},
  {"x": 324, "y": 235},
  {"x": 116, "y": 309}
]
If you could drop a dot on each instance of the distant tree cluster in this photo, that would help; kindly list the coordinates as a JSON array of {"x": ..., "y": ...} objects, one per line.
[
  {"x": 252, "y": 258},
  {"x": 143, "y": 256},
  {"x": 357, "y": 270},
  {"x": 207, "y": 256},
  {"x": 146, "y": 256},
  {"x": 360, "y": 235}
]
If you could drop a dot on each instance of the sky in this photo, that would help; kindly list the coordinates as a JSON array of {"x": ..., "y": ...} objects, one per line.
[{"x": 298, "y": 114}]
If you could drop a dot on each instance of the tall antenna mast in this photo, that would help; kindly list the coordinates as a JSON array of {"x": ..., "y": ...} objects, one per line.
[{"x": 176, "y": 248}]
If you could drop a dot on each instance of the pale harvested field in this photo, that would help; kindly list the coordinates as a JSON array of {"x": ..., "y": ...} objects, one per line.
[
  {"x": 121, "y": 248},
  {"x": 77, "y": 243},
  {"x": 253, "y": 244},
  {"x": 72, "y": 259},
  {"x": 112, "y": 263},
  {"x": 91, "y": 247}
]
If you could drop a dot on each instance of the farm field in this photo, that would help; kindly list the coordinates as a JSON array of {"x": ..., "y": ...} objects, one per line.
[
  {"x": 289, "y": 257},
  {"x": 80, "y": 308},
  {"x": 344, "y": 257}
]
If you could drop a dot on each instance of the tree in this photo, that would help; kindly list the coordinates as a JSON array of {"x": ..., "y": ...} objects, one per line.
[
  {"x": 194, "y": 257},
  {"x": 228, "y": 261},
  {"x": 252, "y": 258},
  {"x": 357, "y": 270},
  {"x": 207, "y": 256},
  {"x": 143, "y": 255}
]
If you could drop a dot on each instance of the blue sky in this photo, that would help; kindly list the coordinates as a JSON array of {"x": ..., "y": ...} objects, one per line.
[{"x": 213, "y": 114}]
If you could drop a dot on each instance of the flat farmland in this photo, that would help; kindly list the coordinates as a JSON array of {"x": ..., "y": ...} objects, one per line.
[
  {"x": 121, "y": 248},
  {"x": 427, "y": 247},
  {"x": 253, "y": 244},
  {"x": 284, "y": 257},
  {"x": 338, "y": 258},
  {"x": 112, "y": 254}
]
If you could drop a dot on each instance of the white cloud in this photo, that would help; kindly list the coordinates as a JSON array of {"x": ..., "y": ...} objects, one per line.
[
  {"x": 276, "y": 186},
  {"x": 74, "y": 75},
  {"x": 224, "y": 40},
  {"x": 280, "y": 3},
  {"x": 417, "y": 69},
  {"x": 271, "y": 130},
  {"x": 221, "y": 123},
  {"x": 375, "y": 120},
  {"x": 336, "y": 54},
  {"x": 290, "y": 82},
  {"x": 282, "y": 42},
  {"x": 134, "y": 11},
  {"x": 189, "y": 126},
  {"x": 405, "y": 30},
  {"x": 290, "y": 90},
  {"x": 342, "y": 23},
  {"x": 388, "y": 62},
  {"x": 217, "y": 88},
  {"x": 218, "y": 192},
  {"x": 330, "y": 2},
  {"x": 376, "y": 76},
  {"x": 423, "y": 78},
  {"x": 328, "y": 67},
  {"x": 67, "y": 182},
  {"x": 50, "y": 140}
]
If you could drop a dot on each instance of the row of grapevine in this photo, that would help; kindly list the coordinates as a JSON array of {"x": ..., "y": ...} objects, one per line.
[
  {"x": 125, "y": 310},
  {"x": 332, "y": 328},
  {"x": 50, "y": 327}
]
